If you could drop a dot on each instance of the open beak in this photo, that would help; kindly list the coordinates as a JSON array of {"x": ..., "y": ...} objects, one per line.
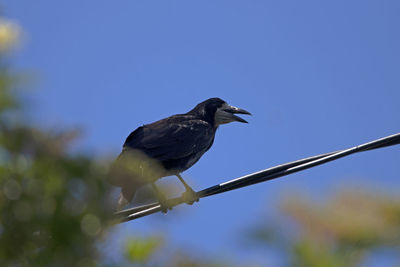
[{"x": 234, "y": 110}]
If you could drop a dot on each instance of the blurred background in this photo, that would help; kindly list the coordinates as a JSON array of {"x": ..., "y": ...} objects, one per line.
[{"x": 77, "y": 77}]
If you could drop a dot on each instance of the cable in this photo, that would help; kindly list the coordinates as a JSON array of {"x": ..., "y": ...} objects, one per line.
[{"x": 261, "y": 176}]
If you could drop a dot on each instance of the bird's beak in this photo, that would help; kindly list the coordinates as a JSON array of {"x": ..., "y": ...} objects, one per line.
[{"x": 234, "y": 110}]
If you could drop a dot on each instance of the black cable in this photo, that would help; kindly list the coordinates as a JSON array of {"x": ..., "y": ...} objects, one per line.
[{"x": 261, "y": 176}]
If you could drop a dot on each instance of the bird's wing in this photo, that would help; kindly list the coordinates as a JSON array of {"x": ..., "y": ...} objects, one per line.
[{"x": 172, "y": 138}]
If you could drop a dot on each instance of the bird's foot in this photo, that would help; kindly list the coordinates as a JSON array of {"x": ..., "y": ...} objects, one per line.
[
  {"x": 164, "y": 204},
  {"x": 190, "y": 196}
]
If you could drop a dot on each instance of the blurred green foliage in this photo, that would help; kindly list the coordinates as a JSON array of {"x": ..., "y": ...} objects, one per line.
[
  {"x": 341, "y": 231},
  {"x": 52, "y": 202}
]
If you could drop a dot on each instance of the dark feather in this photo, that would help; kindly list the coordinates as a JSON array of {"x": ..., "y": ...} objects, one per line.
[{"x": 176, "y": 142}]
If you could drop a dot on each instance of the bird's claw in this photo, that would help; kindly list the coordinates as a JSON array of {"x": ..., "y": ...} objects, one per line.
[
  {"x": 190, "y": 196},
  {"x": 164, "y": 204},
  {"x": 165, "y": 207}
]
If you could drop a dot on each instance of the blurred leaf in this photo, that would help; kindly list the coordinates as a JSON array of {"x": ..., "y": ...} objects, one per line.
[{"x": 142, "y": 249}]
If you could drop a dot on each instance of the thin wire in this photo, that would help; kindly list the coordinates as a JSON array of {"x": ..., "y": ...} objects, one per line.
[{"x": 261, "y": 176}]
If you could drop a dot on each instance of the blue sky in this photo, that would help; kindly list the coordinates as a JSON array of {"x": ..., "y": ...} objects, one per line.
[{"x": 318, "y": 76}]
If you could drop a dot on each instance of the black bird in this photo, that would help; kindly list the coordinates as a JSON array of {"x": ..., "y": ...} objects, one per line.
[{"x": 169, "y": 147}]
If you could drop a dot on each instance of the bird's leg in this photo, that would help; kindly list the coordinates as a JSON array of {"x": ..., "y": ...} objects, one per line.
[
  {"x": 190, "y": 195},
  {"x": 161, "y": 199}
]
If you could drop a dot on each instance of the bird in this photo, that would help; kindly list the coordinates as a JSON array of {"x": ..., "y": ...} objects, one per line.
[{"x": 168, "y": 147}]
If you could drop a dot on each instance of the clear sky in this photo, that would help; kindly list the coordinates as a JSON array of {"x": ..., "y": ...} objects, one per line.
[{"x": 317, "y": 75}]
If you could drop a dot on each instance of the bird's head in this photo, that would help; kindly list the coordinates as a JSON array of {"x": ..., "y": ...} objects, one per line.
[{"x": 217, "y": 111}]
